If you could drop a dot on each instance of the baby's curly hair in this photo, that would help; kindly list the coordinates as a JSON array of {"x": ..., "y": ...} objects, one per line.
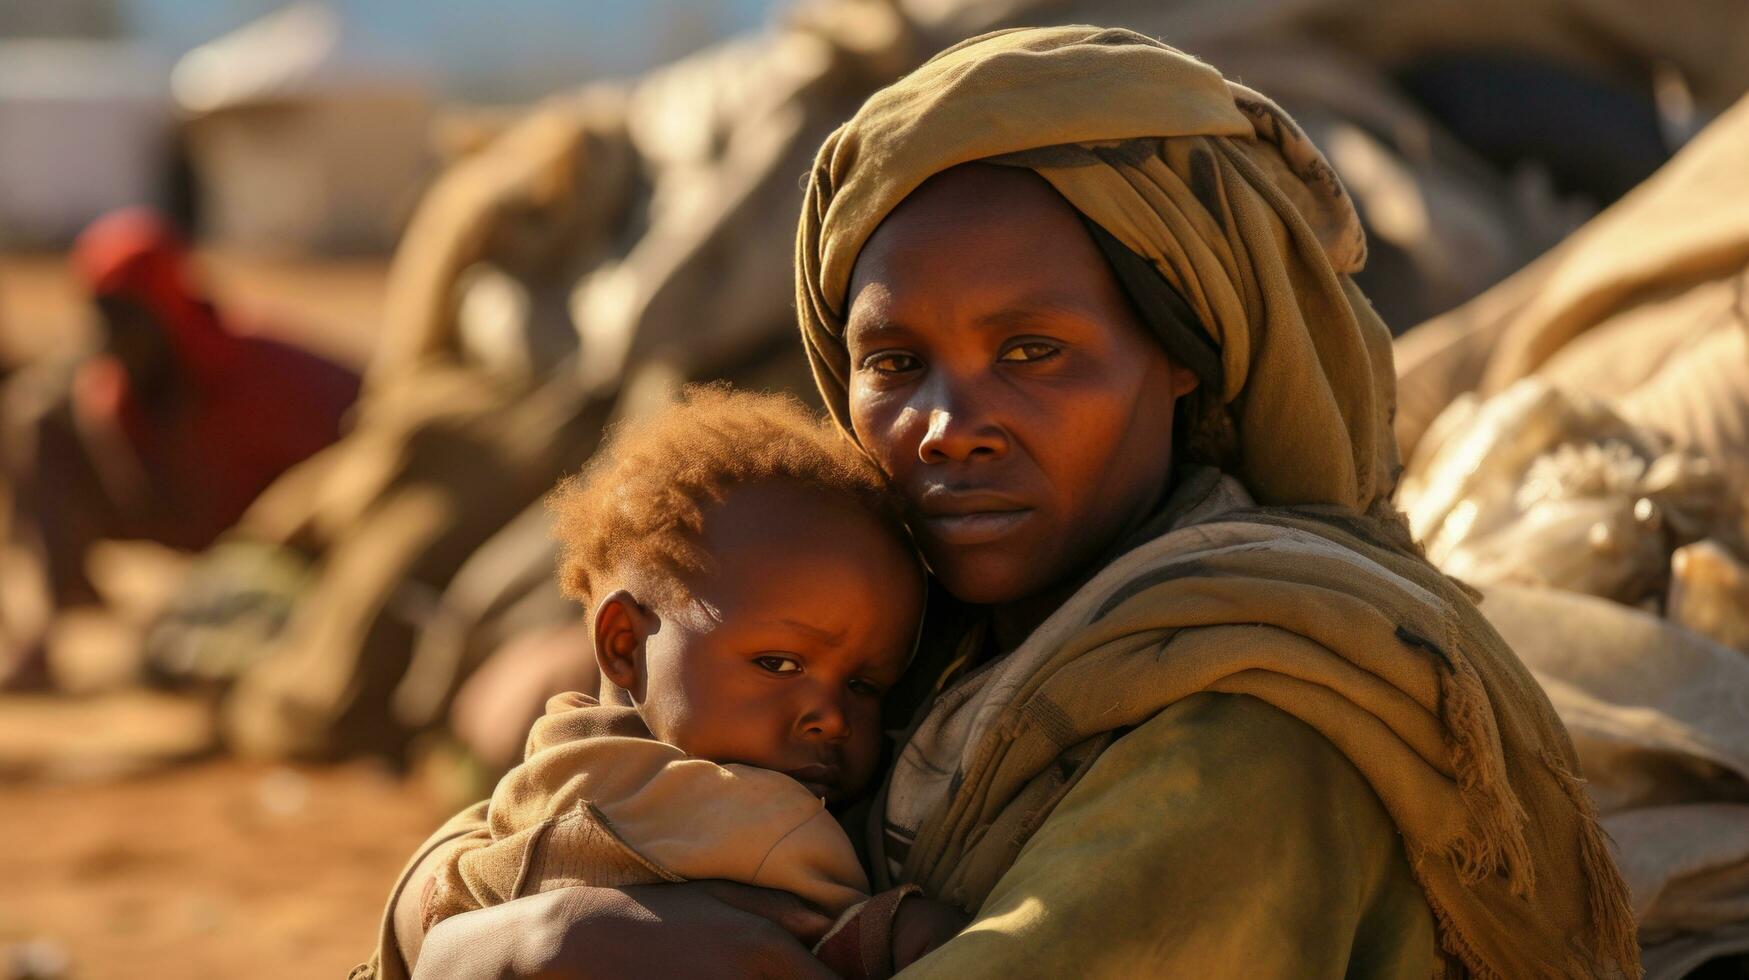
[{"x": 638, "y": 506}]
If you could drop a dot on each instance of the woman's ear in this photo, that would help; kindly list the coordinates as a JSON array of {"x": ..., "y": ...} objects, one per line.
[
  {"x": 1183, "y": 379},
  {"x": 622, "y": 625}
]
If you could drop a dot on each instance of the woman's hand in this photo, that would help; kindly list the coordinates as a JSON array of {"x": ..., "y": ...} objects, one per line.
[
  {"x": 920, "y": 926},
  {"x": 696, "y": 928}
]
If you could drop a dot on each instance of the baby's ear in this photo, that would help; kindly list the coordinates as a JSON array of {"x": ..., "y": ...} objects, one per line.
[{"x": 622, "y": 625}]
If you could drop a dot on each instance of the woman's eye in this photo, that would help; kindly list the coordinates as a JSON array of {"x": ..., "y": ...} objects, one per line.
[
  {"x": 1034, "y": 350},
  {"x": 777, "y": 665},
  {"x": 890, "y": 362}
]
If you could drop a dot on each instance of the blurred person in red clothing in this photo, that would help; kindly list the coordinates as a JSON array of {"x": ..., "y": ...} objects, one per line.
[{"x": 167, "y": 430}]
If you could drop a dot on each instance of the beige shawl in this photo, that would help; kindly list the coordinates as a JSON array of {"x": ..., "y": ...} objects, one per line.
[{"x": 600, "y": 802}]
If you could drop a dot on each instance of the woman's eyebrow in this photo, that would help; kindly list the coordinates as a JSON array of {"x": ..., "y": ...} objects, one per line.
[
  {"x": 1031, "y": 311},
  {"x": 1034, "y": 311},
  {"x": 872, "y": 331}
]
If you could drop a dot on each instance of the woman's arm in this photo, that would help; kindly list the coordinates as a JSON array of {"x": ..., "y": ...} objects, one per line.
[
  {"x": 1222, "y": 838},
  {"x": 693, "y": 929}
]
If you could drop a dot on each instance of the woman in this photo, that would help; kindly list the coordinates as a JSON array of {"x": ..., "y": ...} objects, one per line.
[{"x": 1199, "y": 707}]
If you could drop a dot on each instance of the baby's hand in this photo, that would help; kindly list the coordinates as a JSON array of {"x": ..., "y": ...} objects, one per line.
[{"x": 922, "y": 924}]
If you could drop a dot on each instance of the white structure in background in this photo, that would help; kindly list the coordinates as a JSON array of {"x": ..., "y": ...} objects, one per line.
[
  {"x": 298, "y": 143},
  {"x": 85, "y": 126}
]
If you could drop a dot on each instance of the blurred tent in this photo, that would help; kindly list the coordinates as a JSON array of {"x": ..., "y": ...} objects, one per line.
[
  {"x": 297, "y": 141},
  {"x": 85, "y": 127},
  {"x": 1578, "y": 446}
]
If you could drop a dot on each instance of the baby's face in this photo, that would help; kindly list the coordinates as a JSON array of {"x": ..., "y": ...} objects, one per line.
[{"x": 781, "y": 662}]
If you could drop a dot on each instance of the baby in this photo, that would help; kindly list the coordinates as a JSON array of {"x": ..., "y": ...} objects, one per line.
[{"x": 753, "y": 594}]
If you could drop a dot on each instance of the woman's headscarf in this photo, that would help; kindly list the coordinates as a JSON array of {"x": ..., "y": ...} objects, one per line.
[{"x": 1205, "y": 179}]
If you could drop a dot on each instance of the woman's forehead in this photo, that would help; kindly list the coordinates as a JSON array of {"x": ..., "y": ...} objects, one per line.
[
  {"x": 970, "y": 198},
  {"x": 983, "y": 240}
]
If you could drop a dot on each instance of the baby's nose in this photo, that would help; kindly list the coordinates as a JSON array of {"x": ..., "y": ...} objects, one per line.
[{"x": 826, "y": 719}]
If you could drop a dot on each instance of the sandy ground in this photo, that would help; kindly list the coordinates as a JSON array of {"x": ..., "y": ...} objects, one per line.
[{"x": 214, "y": 868}]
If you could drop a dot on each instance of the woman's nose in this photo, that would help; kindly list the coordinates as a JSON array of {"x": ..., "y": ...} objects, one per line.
[{"x": 958, "y": 430}]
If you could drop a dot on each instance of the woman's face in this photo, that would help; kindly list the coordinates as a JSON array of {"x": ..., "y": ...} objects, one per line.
[{"x": 1001, "y": 378}]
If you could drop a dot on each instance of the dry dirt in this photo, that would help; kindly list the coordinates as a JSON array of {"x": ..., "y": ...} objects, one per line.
[{"x": 215, "y": 869}]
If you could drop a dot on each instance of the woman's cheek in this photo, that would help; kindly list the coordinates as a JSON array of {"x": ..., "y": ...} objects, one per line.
[{"x": 876, "y": 420}]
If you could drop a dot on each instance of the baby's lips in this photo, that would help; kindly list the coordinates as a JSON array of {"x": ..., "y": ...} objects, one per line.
[{"x": 819, "y": 779}]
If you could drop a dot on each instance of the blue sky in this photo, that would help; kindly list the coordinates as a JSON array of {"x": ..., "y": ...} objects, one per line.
[{"x": 484, "y": 49}]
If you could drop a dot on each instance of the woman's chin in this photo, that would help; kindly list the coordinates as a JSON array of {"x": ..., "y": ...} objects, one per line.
[{"x": 987, "y": 579}]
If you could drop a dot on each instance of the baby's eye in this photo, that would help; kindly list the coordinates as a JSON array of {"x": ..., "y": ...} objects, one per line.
[
  {"x": 774, "y": 664},
  {"x": 890, "y": 362},
  {"x": 1030, "y": 350},
  {"x": 868, "y": 689}
]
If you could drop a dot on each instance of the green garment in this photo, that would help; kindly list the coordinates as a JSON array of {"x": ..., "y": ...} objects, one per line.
[{"x": 1222, "y": 838}]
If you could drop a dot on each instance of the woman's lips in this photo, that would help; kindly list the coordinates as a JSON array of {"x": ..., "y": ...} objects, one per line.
[
  {"x": 976, "y": 527},
  {"x": 968, "y": 515}
]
